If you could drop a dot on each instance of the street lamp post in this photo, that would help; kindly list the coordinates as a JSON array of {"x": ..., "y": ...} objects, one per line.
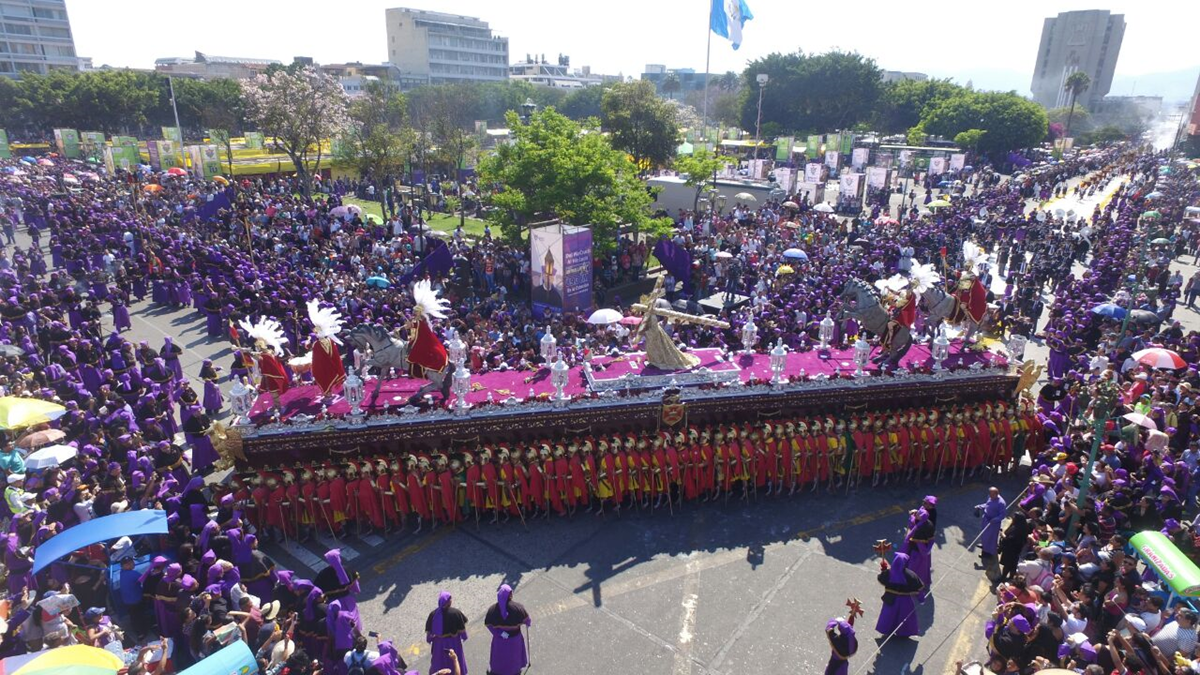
[{"x": 762, "y": 79}]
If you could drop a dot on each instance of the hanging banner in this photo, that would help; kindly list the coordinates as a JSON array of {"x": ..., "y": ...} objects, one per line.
[
  {"x": 833, "y": 143},
  {"x": 121, "y": 157},
  {"x": 957, "y": 161},
  {"x": 848, "y": 187},
  {"x": 173, "y": 134},
  {"x": 814, "y": 173},
  {"x": 254, "y": 140},
  {"x": 67, "y": 141},
  {"x": 5, "y": 151},
  {"x": 546, "y": 256},
  {"x": 164, "y": 155},
  {"x": 884, "y": 159},
  {"x": 783, "y": 148},
  {"x": 906, "y": 157},
  {"x": 577, "y": 268},
  {"x": 877, "y": 178},
  {"x": 786, "y": 178},
  {"x": 937, "y": 165},
  {"x": 205, "y": 161},
  {"x": 831, "y": 159},
  {"x": 858, "y": 158},
  {"x": 812, "y": 148},
  {"x": 847, "y": 143}
]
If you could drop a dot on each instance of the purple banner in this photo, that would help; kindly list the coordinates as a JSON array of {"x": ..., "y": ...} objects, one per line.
[{"x": 577, "y": 269}]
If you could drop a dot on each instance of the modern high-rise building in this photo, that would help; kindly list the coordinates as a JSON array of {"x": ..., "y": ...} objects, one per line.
[
  {"x": 35, "y": 37},
  {"x": 1086, "y": 40},
  {"x": 445, "y": 47}
]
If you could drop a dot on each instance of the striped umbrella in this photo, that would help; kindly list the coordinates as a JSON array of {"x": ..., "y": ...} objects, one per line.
[{"x": 1157, "y": 357}]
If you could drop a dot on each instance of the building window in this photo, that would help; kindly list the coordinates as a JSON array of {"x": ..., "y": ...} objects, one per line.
[
  {"x": 46, "y": 13},
  {"x": 15, "y": 10},
  {"x": 47, "y": 31},
  {"x": 18, "y": 29}
]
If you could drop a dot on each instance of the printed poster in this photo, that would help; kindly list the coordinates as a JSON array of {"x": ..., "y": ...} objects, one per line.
[
  {"x": 121, "y": 157},
  {"x": 858, "y": 158},
  {"x": 906, "y": 158},
  {"x": 812, "y": 148},
  {"x": 814, "y": 173},
  {"x": 783, "y": 148},
  {"x": 831, "y": 159},
  {"x": 173, "y": 134},
  {"x": 786, "y": 178},
  {"x": 205, "y": 160},
  {"x": 164, "y": 155},
  {"x": 848, "y": 185},
  {"x": 937, "y": 165},
  {"x": 254, "y": 140},
  {"x": 877, "y": 178},
  {"x": 67, "y": 142},
  {"x": 957, "y": 161}
]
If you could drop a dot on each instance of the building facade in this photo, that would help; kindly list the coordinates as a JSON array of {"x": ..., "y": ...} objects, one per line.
[
  {"x": 35, "y": 37},
  {"x": 207, "y": 66},
  {"x": 1086, "y": 40},
  {"x": 689, "y": 79},
  {"x": 445, "y": 47},
  {"x": 558, "y": 75}
]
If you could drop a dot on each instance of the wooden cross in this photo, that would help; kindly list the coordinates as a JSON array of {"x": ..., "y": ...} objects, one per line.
[{"x": 855, "y": 609}]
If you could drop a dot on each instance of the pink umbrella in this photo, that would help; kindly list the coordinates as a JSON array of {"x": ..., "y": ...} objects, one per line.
[
  {"x": 631, "y": 320},
  {"x": 1140, "y": 420},
  {"x": 1157, "y": 357},
  {"x": 45, "y": 162},
  {"x": 176, "y": 171}
]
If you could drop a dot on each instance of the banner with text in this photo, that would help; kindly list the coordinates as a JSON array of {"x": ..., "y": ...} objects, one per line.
[
  {"x": 783, "y": 148},
  {"x": 877, "y": 177},
  {"x": 92, "y": 144},
  {"x": 858, "y": 158},
  {"x": 206, "y": 163},
  {"x": 577, "y": 268},
  {"x": 814, "y": 173},
  {"x": 173, "y": 134},
  {"x": 786, "y": 178},
  {"x": 848, "y": 187},
  {"x": 812, "y": 148},
  {"x": 957, "y": 161},
  {"x": 937, "y": 165},
  {"x": 831, "y": 159},
  {"x": 121, "y": 157},
  {"x": 847, "y": 143},
  {"x": 67, "y": 141},
  {"x": 546, "y": 256},
  {"x": 164, "y": 155}
]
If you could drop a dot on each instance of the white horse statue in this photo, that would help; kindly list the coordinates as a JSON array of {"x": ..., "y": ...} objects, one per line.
[{"x": 388, "y": 352}]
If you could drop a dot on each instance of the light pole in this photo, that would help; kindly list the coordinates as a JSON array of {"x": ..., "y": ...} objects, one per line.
[
  {"x": 762, "y": 79},
  {"x": 174, "y": 109}
]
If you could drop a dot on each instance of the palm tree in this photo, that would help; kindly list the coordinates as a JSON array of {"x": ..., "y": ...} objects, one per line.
[
  {"x": 671, "y": 85},
  {"x": 728, "y": 81},
  {"x": 1077, "y": 83}
]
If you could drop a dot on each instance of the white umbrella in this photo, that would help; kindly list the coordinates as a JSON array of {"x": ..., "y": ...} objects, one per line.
[
  {"x": 603, "y": 317},
  {"x": 724, "y": 254},
  {"x": 745, "y": 197},
  {"x": 51, "y": 455},
  {"x": 823, "y": 208},
  {"x": 1140, "y": 420}
]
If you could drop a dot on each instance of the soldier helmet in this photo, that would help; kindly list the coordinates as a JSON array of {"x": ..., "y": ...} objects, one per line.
[{"x": 288, "y": 476}]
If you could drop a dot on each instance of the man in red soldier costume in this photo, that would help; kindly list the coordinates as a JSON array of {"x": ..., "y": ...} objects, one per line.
[{"x": 327, "y": 368}]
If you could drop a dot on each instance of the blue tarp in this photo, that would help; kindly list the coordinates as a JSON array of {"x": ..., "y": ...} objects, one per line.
[
  {"x": 236, "y": 659},
  {"x": 130, "y": 524}
]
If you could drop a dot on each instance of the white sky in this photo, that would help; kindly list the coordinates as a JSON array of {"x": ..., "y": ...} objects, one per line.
[{"x": 993, "y": 43}]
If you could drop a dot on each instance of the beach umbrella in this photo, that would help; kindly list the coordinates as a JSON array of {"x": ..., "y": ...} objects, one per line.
[
  {"x": 220, "y": 180},
  {"x": 339, "y": 211},
  {"x": 604, "y": 317},
  {"x": 630, "y": 320},
  {"x": 795, "y": 254},
  {"x": 791, "y": 205},
  {"x": 70, "y": 178},
  {"x": 1154, "y": 195},
  {"x": 28, "y": 159},
  {"x": 823, "y": 208},
  {"x": 724, "y": 255},
  {"x": 40, "y": 438},
  {"x": 1140, "y": 420},
  {"x": 1157, "y": 357},
  {"x": 784, "y": 270},
  {"x": 51, "y": 455},
  {"x": 885, "y": 220},
  {"x": 378, "y": 282},
  {"x": 17, "y": 412},
  {"x": 1192, "y": 209},
  {"x": 73, "y": 660},
  {"x": 938, "y": 204},
  {"x": 1109, "y": 310},
  {"x": 176, "y": 171},
  {"x": 354, "y": 208},
  {"x": 745, "y": 197},
  {"x": 790, "y": 225},
  {"x": 11, "y": 350}
]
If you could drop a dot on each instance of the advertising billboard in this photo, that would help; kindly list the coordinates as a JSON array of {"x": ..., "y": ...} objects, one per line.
[
  {"x": 67, "y": 141},
  {"x": 561, "y": 269}
]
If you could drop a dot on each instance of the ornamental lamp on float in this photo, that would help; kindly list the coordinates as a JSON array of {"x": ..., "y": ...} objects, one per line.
[
  {"x": 461, "y": 386},
  {"x": 862, "y": 352},
  {"x": 456, "y": 349},
  {"x": 1016, "y": 347},
  {"x": 941, "y": 348},
  {"x": 241, "y": 399},
  {"x": 825, "y": 331},
  {"x": 352, "y": 389},
  {"x": 549, "y": 346},
  {"x": 778, "y": 362},
  {"x": 558, "y": 377},
  {"x": 749, "y": 335}
]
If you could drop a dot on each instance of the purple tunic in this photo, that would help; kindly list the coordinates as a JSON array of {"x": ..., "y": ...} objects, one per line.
[{"x": 899, "y": 611}]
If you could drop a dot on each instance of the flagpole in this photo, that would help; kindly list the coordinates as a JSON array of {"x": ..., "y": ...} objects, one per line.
[{"x": 707, "y": 68}]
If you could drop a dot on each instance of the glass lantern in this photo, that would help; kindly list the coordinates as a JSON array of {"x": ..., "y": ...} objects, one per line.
[
  {"x": 941, "y": 348},
  {"x": 461, "y": 387},
  {"x": 1016, "y": 347},
  {"x": 862, "y": 352},
  {"x": 456, "y": 349},
  {"x": 241, "y": 399},
  {"x": 749, "y": 335},
  {"x": 559, "y": 373},
  {"x": 352, "y": 389},
  {"x": 778, "y": 362},
  {"x": 549, "y": 346},
  {"x": 825, "y": 331}
]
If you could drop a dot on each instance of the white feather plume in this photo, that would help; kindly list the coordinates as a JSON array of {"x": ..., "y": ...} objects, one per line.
[
  {"x": 924, "y": 277},
  {"x": 429, "y": 302},
  {"x": 326, "y": 321},
  {"x": 893, "y": 284},
  {"x": 267, "y": 330},
  {"x": 973, "y": 255}
]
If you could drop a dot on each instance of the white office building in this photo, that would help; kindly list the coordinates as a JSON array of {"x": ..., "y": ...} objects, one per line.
[
  {"x": 445, "y": 47},
  {"x": 35, "y": 37}
]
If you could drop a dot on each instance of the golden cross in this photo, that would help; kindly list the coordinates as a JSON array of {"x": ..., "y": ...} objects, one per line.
[
  {"x": 882, "y": 547},
  {"x": 855, "y": 609}
]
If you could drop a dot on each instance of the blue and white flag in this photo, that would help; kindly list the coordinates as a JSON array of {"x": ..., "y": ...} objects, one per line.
[{"x": 728, "y": 17}]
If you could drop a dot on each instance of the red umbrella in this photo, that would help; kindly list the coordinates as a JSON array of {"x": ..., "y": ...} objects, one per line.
[
  {"x": 176, "y": 171},
  {"x": 1157, "y": 357}
]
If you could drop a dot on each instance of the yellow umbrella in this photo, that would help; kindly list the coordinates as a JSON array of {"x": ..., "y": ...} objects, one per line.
[
  {"x": 221, "y": 180},
  {"x": 784, "y": 269},
  {"x": 73, "y": 660},
  {"x": 938, "y": 203},
  {"x": 16, "y": 412}
]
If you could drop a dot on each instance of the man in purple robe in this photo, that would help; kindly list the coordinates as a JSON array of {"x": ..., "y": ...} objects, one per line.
[
  {"x": 992, "y": 512},
  {"x": 842, "y": 645},
  {"x": 445, "y": 631},
  {"x": 504, "y": 620},
  {"x": 900, "y": 589}
]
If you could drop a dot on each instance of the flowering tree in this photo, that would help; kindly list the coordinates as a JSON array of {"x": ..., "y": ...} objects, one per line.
[{"x": 298, "y": 108}]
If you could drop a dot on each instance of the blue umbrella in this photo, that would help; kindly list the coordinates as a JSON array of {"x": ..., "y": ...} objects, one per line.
[
  {"x": 795, "y": 254},
  {"x": 378, "y": 282},
  {"x": 1109, "y": 310},
  {"x": 1154, "y": 195},
  {"x": 28, "y": 158}
]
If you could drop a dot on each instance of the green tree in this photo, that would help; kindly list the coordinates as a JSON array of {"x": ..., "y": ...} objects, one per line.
[
  {"x": 822, "y": 92},
  {"x": 378, "y": 140},
  {"x": 729, "y": 81},
  {"x": 1082, "y": 118},
  {"x": 556, "y": 168},
  {"x": 700, "y": 169},
  {"x": 640, "y": 122},
  {"x": 210, "y": 104},
  {"x": 969, "y": 139},
  {"x": 583, "y": 103},
  {"x": 1011, "y": 122},
  {"x": 902, "y": 104},
  {"x": 671, "y": 85},
  {"x": 1077, "y": 83}
]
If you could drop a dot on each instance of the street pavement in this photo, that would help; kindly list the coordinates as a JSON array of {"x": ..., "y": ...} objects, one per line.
[{"x": 717, "y": 588}]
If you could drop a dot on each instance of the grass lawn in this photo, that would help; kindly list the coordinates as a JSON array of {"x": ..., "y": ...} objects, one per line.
[{"x": 442, "y": 222}]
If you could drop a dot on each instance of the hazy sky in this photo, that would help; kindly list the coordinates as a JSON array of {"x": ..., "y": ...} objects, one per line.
[{"x": 992, "y": 42}]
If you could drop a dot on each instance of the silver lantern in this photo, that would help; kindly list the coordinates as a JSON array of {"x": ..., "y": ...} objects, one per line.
[{"x": 778, "y": 362}]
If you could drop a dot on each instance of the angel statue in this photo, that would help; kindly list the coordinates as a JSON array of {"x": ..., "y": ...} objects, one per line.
[
  {"x": 327, "y": 368},
  {"x": 267, "y": 338}
]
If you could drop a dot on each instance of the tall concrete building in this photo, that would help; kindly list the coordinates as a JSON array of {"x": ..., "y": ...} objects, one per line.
[
  {"x": 445, "y": 47},
  {"x": 1087, "y": 40},
  {"x": 35, "y": 37}
]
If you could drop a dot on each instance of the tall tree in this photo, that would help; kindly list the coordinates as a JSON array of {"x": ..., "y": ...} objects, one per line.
[
  {"x": 378, "y": 140},
  {"x": 583, "y": 103},
  {"x": 1010, "y": 121},
  {"x": 671, "y": 85},
  {"x": 817, "y": 92},
  {"x": 902, "y": 104},
  {"x": 640, "y": 122},
  {"x": 1077, "y": 83},
  {"x": 556, "y": 168},
  {"x": 700, "y": 170},
  {"x": 298, "y": 110}
]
